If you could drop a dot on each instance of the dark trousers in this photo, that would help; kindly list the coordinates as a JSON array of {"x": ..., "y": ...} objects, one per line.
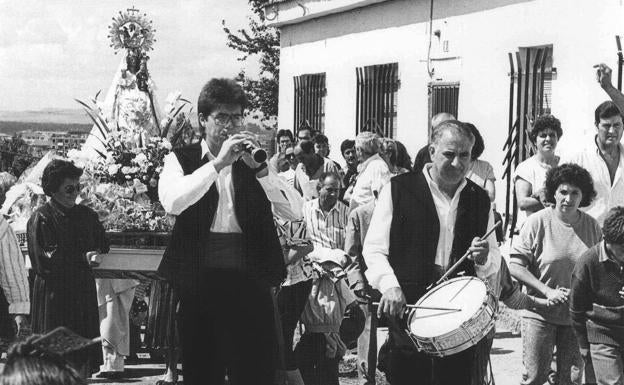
[
  {"x": 407, "y": 366},
  {"x": 227, "y": 326},
  {"x": 291, "y": 301},
  {"x": 315, "y": 367}
]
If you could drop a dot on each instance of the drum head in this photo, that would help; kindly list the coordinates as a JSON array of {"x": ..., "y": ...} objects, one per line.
[{"x": 465, "y": 295}]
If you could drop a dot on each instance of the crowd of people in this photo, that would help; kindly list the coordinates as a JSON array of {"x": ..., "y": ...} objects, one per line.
[{"x": 260, "y": 251}]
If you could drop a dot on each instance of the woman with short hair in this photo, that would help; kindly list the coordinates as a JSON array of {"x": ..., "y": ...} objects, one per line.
[
  {"x": 64, "y": 243},
  {"x": 530, "y": 175},
  {"x": 543, "y": 258}
]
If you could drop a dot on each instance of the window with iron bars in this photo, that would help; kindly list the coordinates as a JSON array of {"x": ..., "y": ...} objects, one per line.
[
  {"x": 443, "y": 97},
  {"x": 376, "y": 99},
  {"x": 310, "y": 93},
  {"x": 530, "y": 95}
]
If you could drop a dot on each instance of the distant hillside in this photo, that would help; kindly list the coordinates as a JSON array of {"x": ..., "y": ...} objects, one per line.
[
  {"x": 50, "y": 115},
  {"x": 10, "y": 128}
]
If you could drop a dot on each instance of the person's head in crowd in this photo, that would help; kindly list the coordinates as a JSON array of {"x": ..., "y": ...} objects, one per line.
[
  {"x": 366, "y": 145},
  {"x": 304, "y": 153},
  {"x": 569, "y": 186},
  {"x": 613, "y": 232},
  {"x": 26, "y": 365},
  {"x": 290, "y": 157},
  {"x": 450, "y": 150},
  {"x": 304, "y": 133},
  {"x": 545, "y": 134},
  {"x": 403, "y": 158},
  {"x": 608, "y": 121},
  {"x": 328, "y": 189},
  {"x": 388, "y": 151},
  {"x": 6, "y": 181},
  {"x": 61, "y": 182},
  {"x": 284, "y": 139},
  {"x": 321, "y": 145},
  {"x": 441, "y": 117},
  {"x": 347, "y": 149},
  {"x": 220, "y": 109},
  {"x": 479, "y": 145}
]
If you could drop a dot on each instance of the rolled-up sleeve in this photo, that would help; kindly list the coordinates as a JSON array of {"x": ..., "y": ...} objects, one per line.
[
  {"x": 286, "y": 202},
  {"x": 177, "y": 191},
  {"x": 379, "y": 273}
]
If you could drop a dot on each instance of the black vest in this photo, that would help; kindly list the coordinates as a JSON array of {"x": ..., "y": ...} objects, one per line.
[
  {"x": 415, "y": 230},
  {"x": 262, "y": 258}
]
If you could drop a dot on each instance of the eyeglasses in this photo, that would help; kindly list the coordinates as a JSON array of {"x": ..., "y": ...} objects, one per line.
[
  {"x": 223, "y": 119},
  {"x": 73, "y": 189},
  {"x": 290, "y": 156}
]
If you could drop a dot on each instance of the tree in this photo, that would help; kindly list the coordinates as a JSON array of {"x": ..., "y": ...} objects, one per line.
[
  {"x": 263, "y": 41},
  {"x": 14, "y": 155}
]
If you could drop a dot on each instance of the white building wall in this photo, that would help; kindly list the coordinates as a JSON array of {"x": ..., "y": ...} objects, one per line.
[{"x": 581, "y": 32}]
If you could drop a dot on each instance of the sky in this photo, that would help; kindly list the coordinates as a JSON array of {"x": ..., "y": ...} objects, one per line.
[{"x": 52, "y": 51}]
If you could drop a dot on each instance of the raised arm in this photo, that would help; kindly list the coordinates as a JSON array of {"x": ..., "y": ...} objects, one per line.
[{"x": 603, "y": 76}]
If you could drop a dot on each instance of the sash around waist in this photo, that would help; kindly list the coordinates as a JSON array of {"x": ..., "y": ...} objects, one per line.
[{"x": 224, "y": 251}]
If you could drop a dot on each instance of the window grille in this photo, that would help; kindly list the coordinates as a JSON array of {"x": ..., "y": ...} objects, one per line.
[
  {"x": 376, "y": 99},
  {"x": 310, "y": 93}
]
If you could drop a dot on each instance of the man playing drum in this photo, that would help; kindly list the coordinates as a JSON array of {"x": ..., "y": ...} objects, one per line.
[{"x": 425, "y": 221}]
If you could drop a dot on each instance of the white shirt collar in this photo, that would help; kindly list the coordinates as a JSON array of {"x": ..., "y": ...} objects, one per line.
[
  {"x": 205, "y": 150},
  {"x": 432, "y": 184},
  {"x": 362, "y": 166},
  {"x": 597, "y": 149}
]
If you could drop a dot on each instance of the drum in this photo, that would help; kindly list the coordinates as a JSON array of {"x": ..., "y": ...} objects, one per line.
[{"x": 452, "y": 316}]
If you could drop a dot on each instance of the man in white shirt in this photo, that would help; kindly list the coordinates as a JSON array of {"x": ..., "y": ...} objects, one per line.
[
  {"x": 604, "y": 159},
  {"x": 423, "y": 223},
  {"x": 373, "y": 172},
  {"x": 311, "y": 166},
  {"x": 224, "y": 255}
]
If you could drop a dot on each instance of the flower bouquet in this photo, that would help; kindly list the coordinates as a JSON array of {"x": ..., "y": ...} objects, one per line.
[{"x": 121, "y": 184}]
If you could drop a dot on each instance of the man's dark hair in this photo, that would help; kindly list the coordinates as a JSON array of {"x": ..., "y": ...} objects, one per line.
[
  {"x": 26, "y": 365},
  {"x": 56, "y": 172},
  {"x": 306, "y": 128},
  {"x": 346, "y": 144},
  {"x": 606, "y": 110},
  {"x": 287, "y": 133},
  {"x": 573, "y": 174},
  {"x": 450, "y": 125},
  {"x": 220, "y": 91},
  {"x": 307, "y": 146},
  {"x": 320, "y": 139},
  {"x": 545, "y": 122},
  {"x": 613, "y": 226},
  {"x": 479, "y": 145}
]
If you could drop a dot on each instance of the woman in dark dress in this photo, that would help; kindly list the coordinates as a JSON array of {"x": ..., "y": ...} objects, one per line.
[
  {"x": 162, "y": 330},
  {"x": 64, "y": 242}
]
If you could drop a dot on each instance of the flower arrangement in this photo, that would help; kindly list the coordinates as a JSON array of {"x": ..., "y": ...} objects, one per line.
[{"x": 121, "y": 184}]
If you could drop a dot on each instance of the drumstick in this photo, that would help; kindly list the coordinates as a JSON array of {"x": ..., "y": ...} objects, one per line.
[
  {"x": 463, "y": 258},
  {"x": 426, "y": 307}
]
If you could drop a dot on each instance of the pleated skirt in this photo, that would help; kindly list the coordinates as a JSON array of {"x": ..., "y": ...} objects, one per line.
[{"x": 162, "y": 331}]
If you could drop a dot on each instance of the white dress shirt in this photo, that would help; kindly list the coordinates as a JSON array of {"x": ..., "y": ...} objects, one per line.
[
  {"x": 377, "y": 243},
  {"x": 373, "y": 174},
  {"x": 177, "y": 192},
  {"x": 608, "y": 195}
]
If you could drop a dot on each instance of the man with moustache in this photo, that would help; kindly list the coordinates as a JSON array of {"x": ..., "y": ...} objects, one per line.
[
  {"x": 224, "y": 254},
  {"x": 604, "y": 159},
  {"x": 424, "y": 222}
]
